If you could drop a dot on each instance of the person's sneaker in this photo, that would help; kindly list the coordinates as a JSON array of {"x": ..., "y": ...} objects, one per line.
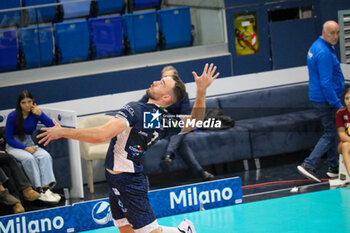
[
  {"x": 55, "y": 195},
  {"x": 206, "y": 176},
  {"x": 338, "y": 183},
  {"x": 47, "y": 197},
  {"x": 308, "y": 172},
  {"x": 18, "y": 208},
  {"x": 29, "y": 194},
  {"x": 332, "y": 172},
  {"x": 186, "y": 226},
  {"x": 7, "y": 198}
]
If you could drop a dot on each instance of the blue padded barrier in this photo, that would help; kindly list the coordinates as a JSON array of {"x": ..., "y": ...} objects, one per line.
[
  {"x": 8, "y": 49},
  {"x": 40, "y": 14},
  {"x": 109, "y": 6},
  {"x": 36, "y": 45},
  {"x": 72, "y": 41},
  {"x": 75, "y": 10},
  {"x": 175, "y": 27},
  {"x": 9, "y": 18},
  {"x": 275, "y": 126},
  {"x": 140, "y": 31},
  {"x": 264, "y": 103},
  {"x": 107, "y": 35}
]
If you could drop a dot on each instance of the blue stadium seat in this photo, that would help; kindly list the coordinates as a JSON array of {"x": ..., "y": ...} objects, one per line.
[
  {"x": 9, "y": 18},
  {"x": 75, "y": 10},
  {"x": 72, "y": 41},
  {"x": 175, "y": 27},
  {"x": 143, "y": 4},
  {"x": 109, "y": 6},
  {"x": 46, "y": 45},
  {"x": 106, "y": 34},
  {"x": 36, "y": 45},
  {"x": 8, "y": 49},
  {"x": 140, "y": 31},
  {"x": 40, "y": 14}
]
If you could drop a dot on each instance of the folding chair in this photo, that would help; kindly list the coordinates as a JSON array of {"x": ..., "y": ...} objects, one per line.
[
  {"x": 40, "y": 14},
  {"x": 175, "y": 27},
  {"x": 143, "y": 4},
  {"x": 140, "y": 31},
  {"x": 10, "y": 17},
  {"x": 106, "y": 35},
  {"x": 72, "y": 41},
  {"x": 343, "y": 178},
  {"x": 8, "y": 49},
  {"x": 35, "y": 46},
  {"x": 102, "y": 7},
  {"x": 75, "y": 10}
]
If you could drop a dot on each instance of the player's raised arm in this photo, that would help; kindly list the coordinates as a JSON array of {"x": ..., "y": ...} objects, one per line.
[
  {"x": 92, "y": 135},
  {"x": 202, "y": 82}
]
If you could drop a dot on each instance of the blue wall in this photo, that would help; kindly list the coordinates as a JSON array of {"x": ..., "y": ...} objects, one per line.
[
  {"x": 328, "y": 7},
  {"x": 253, "y": 63},
  {"x": 107, "y": 83},
  {"x": 283, "y": 43},
  {"x": 137, "y": 79},
  {"x": 328, "y": 10},
  {"x": 243, "y": 3}
]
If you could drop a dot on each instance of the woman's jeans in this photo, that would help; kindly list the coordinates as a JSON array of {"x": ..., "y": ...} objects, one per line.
[
  {"x": 37, "y": 166},
  {"x": 327, "y": 144}
]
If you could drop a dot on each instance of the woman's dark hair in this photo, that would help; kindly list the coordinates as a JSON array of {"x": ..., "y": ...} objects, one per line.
[
  {"x": 20, "y": 131},
  {"x": 346, "y": 90}
]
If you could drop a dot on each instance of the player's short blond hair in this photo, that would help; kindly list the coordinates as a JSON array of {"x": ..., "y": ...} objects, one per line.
[{"x": 169, "y": 68}]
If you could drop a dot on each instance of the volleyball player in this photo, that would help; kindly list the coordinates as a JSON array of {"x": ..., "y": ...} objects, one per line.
[{"x": 128, "y": 197}]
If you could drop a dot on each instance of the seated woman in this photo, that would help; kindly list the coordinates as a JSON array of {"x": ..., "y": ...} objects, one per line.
[
  {"x": 36, "y": 162},
  {"x": 343, "y": 125}
]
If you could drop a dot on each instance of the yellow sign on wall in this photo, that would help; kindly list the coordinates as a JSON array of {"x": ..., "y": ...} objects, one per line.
[{"x": 246, "y": 34}]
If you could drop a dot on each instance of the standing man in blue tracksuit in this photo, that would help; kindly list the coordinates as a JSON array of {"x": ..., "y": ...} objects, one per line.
[{"x": 326, "y": 83}]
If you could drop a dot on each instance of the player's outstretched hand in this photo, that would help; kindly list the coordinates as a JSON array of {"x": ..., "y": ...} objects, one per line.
[
  {"x": 206, "y": 78},
  {"x": 50, "y": 134}
]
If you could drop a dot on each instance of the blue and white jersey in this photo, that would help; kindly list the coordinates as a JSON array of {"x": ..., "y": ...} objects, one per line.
[{"x": 126, "y": 149}]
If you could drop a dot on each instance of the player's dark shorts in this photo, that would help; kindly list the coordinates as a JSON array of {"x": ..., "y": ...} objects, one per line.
[{"x": 129, "y": 201}]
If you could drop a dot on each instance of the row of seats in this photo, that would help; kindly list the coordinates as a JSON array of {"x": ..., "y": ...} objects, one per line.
[
  {"x": 49, "y": 11},
  {"x": 79, "y": 40}
]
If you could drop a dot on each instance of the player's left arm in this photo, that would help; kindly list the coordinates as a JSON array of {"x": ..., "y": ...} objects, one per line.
[{"x": 202, "y": 83}]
